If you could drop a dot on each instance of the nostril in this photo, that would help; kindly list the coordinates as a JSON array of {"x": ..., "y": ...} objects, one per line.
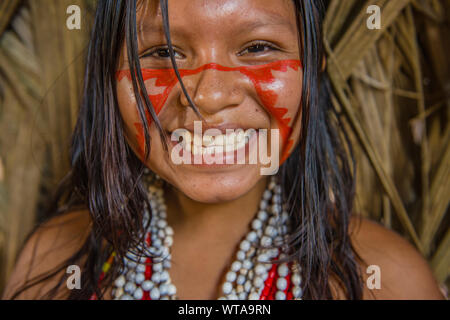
[{"x": 213, "y": 87}]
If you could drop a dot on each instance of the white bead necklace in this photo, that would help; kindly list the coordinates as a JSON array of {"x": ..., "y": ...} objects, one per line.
[{"x": 247, "y": 275}]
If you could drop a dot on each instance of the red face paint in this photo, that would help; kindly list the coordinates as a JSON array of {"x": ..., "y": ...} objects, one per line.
[{"x": 259, "y": 75}]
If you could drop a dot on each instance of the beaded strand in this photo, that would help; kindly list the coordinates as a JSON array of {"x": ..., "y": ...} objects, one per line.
[{"x": 146, "y": 278}]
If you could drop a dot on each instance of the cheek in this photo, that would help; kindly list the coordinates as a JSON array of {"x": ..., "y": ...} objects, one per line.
[
  {"x": 134, "y": 130},
  {"x": 289, "y": 88},
  {"x": 280, "y": 91},
  {"x": 159, "y": 84},
  {"x": 127, "y": 105}
]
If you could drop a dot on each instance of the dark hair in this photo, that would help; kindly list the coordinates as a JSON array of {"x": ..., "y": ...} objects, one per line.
[{"x": 317, "y": 179}]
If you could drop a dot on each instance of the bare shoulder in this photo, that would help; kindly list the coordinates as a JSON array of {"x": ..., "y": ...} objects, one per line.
[
  {"x": 404, "y": 273},
  {"x": 45, "y": 251}
]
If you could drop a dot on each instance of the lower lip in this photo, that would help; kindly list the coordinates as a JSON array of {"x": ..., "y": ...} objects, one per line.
[{"x": 227, "y": 157}]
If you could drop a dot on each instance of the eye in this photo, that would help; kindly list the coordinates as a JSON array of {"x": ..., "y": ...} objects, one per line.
[
  {"x": 258, "y": 48},
  {"x": 162, "y": 53}
]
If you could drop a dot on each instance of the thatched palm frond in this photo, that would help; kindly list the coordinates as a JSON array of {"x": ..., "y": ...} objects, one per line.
[
  {"x": 393, "y": 85},
  {"x": 41, "y": 72}
]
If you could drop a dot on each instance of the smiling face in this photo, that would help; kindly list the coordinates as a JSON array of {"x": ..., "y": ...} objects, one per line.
[{"x": 240, "y": 63}]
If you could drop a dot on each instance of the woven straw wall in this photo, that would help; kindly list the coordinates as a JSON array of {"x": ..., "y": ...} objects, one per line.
[{"x": 392, "y": 88}]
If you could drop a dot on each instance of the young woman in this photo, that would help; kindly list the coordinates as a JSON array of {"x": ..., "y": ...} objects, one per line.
[{"x": 140, "y": 224}]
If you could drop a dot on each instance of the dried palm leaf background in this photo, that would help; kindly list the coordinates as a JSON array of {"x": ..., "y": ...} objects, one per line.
[{"x": 392, "y": 88}]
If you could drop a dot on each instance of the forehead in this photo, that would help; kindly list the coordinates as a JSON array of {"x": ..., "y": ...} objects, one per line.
[{"x": 217, "y": 16}]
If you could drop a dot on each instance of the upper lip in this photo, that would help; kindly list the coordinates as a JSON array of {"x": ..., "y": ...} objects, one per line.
[{"x": 223, "y": 127}]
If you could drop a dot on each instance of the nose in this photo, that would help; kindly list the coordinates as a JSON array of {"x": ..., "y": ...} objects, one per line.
[{"x": 214, "y": 88}]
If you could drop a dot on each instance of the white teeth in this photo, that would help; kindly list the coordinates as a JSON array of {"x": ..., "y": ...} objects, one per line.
[
  {"x": 208, "y": 144},
  {"x": 187, "y": 140},
  {"x": 241, "y": 143},
  {"x": 208, "y": 140},
  {"x": 240, "y": 136},
  {"x": 229, "y": 138},
  {"x": 218, "y": 140},
  {"x": 210, "y": 150},
  {"x": 197, "y": 150}
]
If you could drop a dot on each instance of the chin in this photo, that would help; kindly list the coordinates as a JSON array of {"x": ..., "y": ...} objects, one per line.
[{"x": 216, "y": 187}]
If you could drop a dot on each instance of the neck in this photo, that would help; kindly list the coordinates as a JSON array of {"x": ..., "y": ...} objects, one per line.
[{"x": 226, "y": 221}]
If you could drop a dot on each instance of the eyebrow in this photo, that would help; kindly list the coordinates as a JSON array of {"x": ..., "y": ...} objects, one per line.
[
  {"x": 273, "y": 20},
  {"x": 253, "y": 25},
  {"x": 159, "y": 29}
]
